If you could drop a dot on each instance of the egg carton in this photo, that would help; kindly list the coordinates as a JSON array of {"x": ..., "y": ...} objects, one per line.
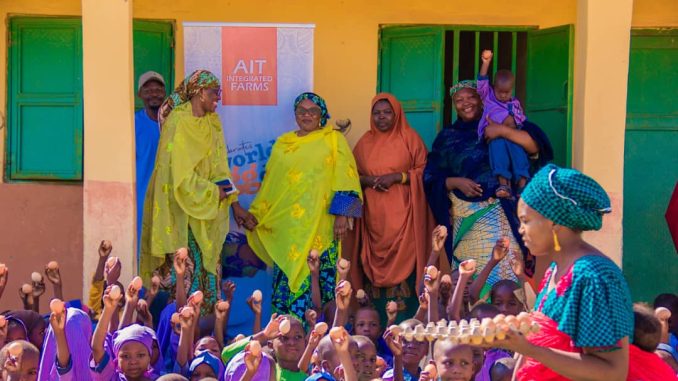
[{"x": 471, "y": 331}]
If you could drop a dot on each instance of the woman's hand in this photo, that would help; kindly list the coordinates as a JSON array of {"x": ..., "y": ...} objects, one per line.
[
  {"x": 515, "y": 341},
  {"x": 382, "y": 183},
  {"x": 494, "y": 130},
  {"x": 243, "y": 217},
  {"x": 467, "y": 186},
  {"x": 340, "y": 227}
]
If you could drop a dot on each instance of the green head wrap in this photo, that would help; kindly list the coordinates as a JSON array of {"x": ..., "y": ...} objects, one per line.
[
  {"x": 464, "y": 84},
  {"x": 568, "y": 198}
]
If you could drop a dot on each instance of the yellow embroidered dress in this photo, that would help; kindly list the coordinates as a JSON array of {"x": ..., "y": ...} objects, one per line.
[
  {"x": 182, "y": 207},
  {"x": 308, "y": 181}
]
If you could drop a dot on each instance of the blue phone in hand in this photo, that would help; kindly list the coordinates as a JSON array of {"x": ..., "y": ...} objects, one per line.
[{"x": 227, "y": 186}]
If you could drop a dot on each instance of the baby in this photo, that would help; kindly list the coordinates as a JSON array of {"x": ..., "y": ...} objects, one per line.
[{"x": 508, "y": 160}]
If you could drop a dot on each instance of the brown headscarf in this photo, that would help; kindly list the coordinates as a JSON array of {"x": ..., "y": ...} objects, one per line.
[{"x": 394, "y": 236}]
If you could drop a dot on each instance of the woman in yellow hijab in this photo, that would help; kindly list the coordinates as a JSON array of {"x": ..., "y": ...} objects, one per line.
[
  {"x": 310, "y": 190},
  {"x": 187, "y": 202}
]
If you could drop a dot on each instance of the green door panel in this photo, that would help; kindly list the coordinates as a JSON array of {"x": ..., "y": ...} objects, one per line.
[
  {"x": 411, "y": 68},
  {"x": 649, "y": 260},
  {"x": 153, "y": 50},
  {"x": 44, "y": 103},
  {"x": 548, "y": 99},
  {"x": 651, "y": 101},
  {"x": 649, "y": 257},
  {"x": 44, "y": 100}
]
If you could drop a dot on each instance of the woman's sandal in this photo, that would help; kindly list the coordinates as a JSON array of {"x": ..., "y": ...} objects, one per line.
[{"x": 503, "y": 191}]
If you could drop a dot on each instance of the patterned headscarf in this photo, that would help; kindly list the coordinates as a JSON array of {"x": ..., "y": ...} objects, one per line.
[
  {"x": 465, "y": 84},
  {"x": 198, "y": 80},
  {"x": 568, "y": 198},
  {"x": 319, "y": 101}
]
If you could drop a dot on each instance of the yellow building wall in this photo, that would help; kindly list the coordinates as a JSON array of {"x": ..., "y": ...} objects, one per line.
[
  {"x": 654, "y": 13},
  {"x": 346, "y": 39},
  {"x": 346, "y": 34}
]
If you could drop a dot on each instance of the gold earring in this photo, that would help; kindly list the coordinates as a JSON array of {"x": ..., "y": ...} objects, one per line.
[{"x": 556, "y": 244}]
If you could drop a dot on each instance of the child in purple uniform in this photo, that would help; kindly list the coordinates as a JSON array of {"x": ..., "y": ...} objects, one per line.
[{"x": 508, "y": 160}]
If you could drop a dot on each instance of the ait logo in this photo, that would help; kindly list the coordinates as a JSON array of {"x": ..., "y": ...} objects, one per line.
[{"x": 250, "y": 66}]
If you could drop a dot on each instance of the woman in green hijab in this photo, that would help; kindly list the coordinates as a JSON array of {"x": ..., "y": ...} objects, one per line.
[{"x": 184, "y": 206}]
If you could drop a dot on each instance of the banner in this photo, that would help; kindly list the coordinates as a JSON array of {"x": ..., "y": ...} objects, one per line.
[{"x": 262, "y": 68}]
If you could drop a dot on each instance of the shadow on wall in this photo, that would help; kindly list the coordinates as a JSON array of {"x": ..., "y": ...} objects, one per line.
[{"x": 40, "y": 223}]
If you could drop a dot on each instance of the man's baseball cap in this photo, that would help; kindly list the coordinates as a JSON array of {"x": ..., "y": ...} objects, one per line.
[{"x": 148, "y": 76}]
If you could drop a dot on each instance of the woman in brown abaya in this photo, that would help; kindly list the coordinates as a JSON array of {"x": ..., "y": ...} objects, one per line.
[{"x": 393, "y": 239}]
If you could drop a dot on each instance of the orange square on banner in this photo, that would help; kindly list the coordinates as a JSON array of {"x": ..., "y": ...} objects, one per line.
[{"x": 249, "y": 62}]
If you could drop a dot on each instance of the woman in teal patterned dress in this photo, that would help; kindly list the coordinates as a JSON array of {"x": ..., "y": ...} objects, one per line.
[{"x": 584, "y": 305}]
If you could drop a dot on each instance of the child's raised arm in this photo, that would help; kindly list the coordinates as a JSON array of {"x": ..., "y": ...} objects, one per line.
[
  {"x": 422, "y": 311},
  {"x": 58, "y": 322},
  {"x": 391, "y": 313},
  {"x": 395, "y": 344},
  {"x": 222, "y": 311},
  {"x": 187, "y": 316},
  {"x": 466, "y": 271},
  {"x": 105, "y": 249},
  {"x": 499, "y": 252},
  {"x": 340, "y": 339},
  {"x": 180, "y": 257},
  {"x": 485, "y": 58},
  {"x": 438, "y": 238},
  {"x": 54, "y": 276},
  {"x": 313, "y": 341},
  {"x": 483, "y": 86},
  {"x": 4, "y": 325},
  {"x": 342, "y": 294},
  {"x": 152, "y": 291},
  {"x": 144, "y": 314},
  {"x": 254, "y": 301},
  {"x": 4, "y": 276},
  {"x": 432, "y": 285},
  {"x": 313, "y": 261},
  {"x": 110, "y": 307},
  {"x": 96, "y": 291},
  {"x": 131, "y": 300}
]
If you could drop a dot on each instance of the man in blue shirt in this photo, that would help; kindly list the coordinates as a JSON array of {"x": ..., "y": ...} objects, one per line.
[{"x": 151, "y": 90}]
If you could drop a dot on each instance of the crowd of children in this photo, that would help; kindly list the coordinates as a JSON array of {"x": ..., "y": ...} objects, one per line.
[{"x": 116, "y": 337}]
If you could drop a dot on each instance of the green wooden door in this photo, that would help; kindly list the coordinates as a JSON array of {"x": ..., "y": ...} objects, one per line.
[
  {"x": 153, "y": 50},
  {"x": 649, "y": 257},
  {"x": 411, "y": 68},
  {"x": 548, "y": 99},
  {"x": 44, "y": 103}
]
